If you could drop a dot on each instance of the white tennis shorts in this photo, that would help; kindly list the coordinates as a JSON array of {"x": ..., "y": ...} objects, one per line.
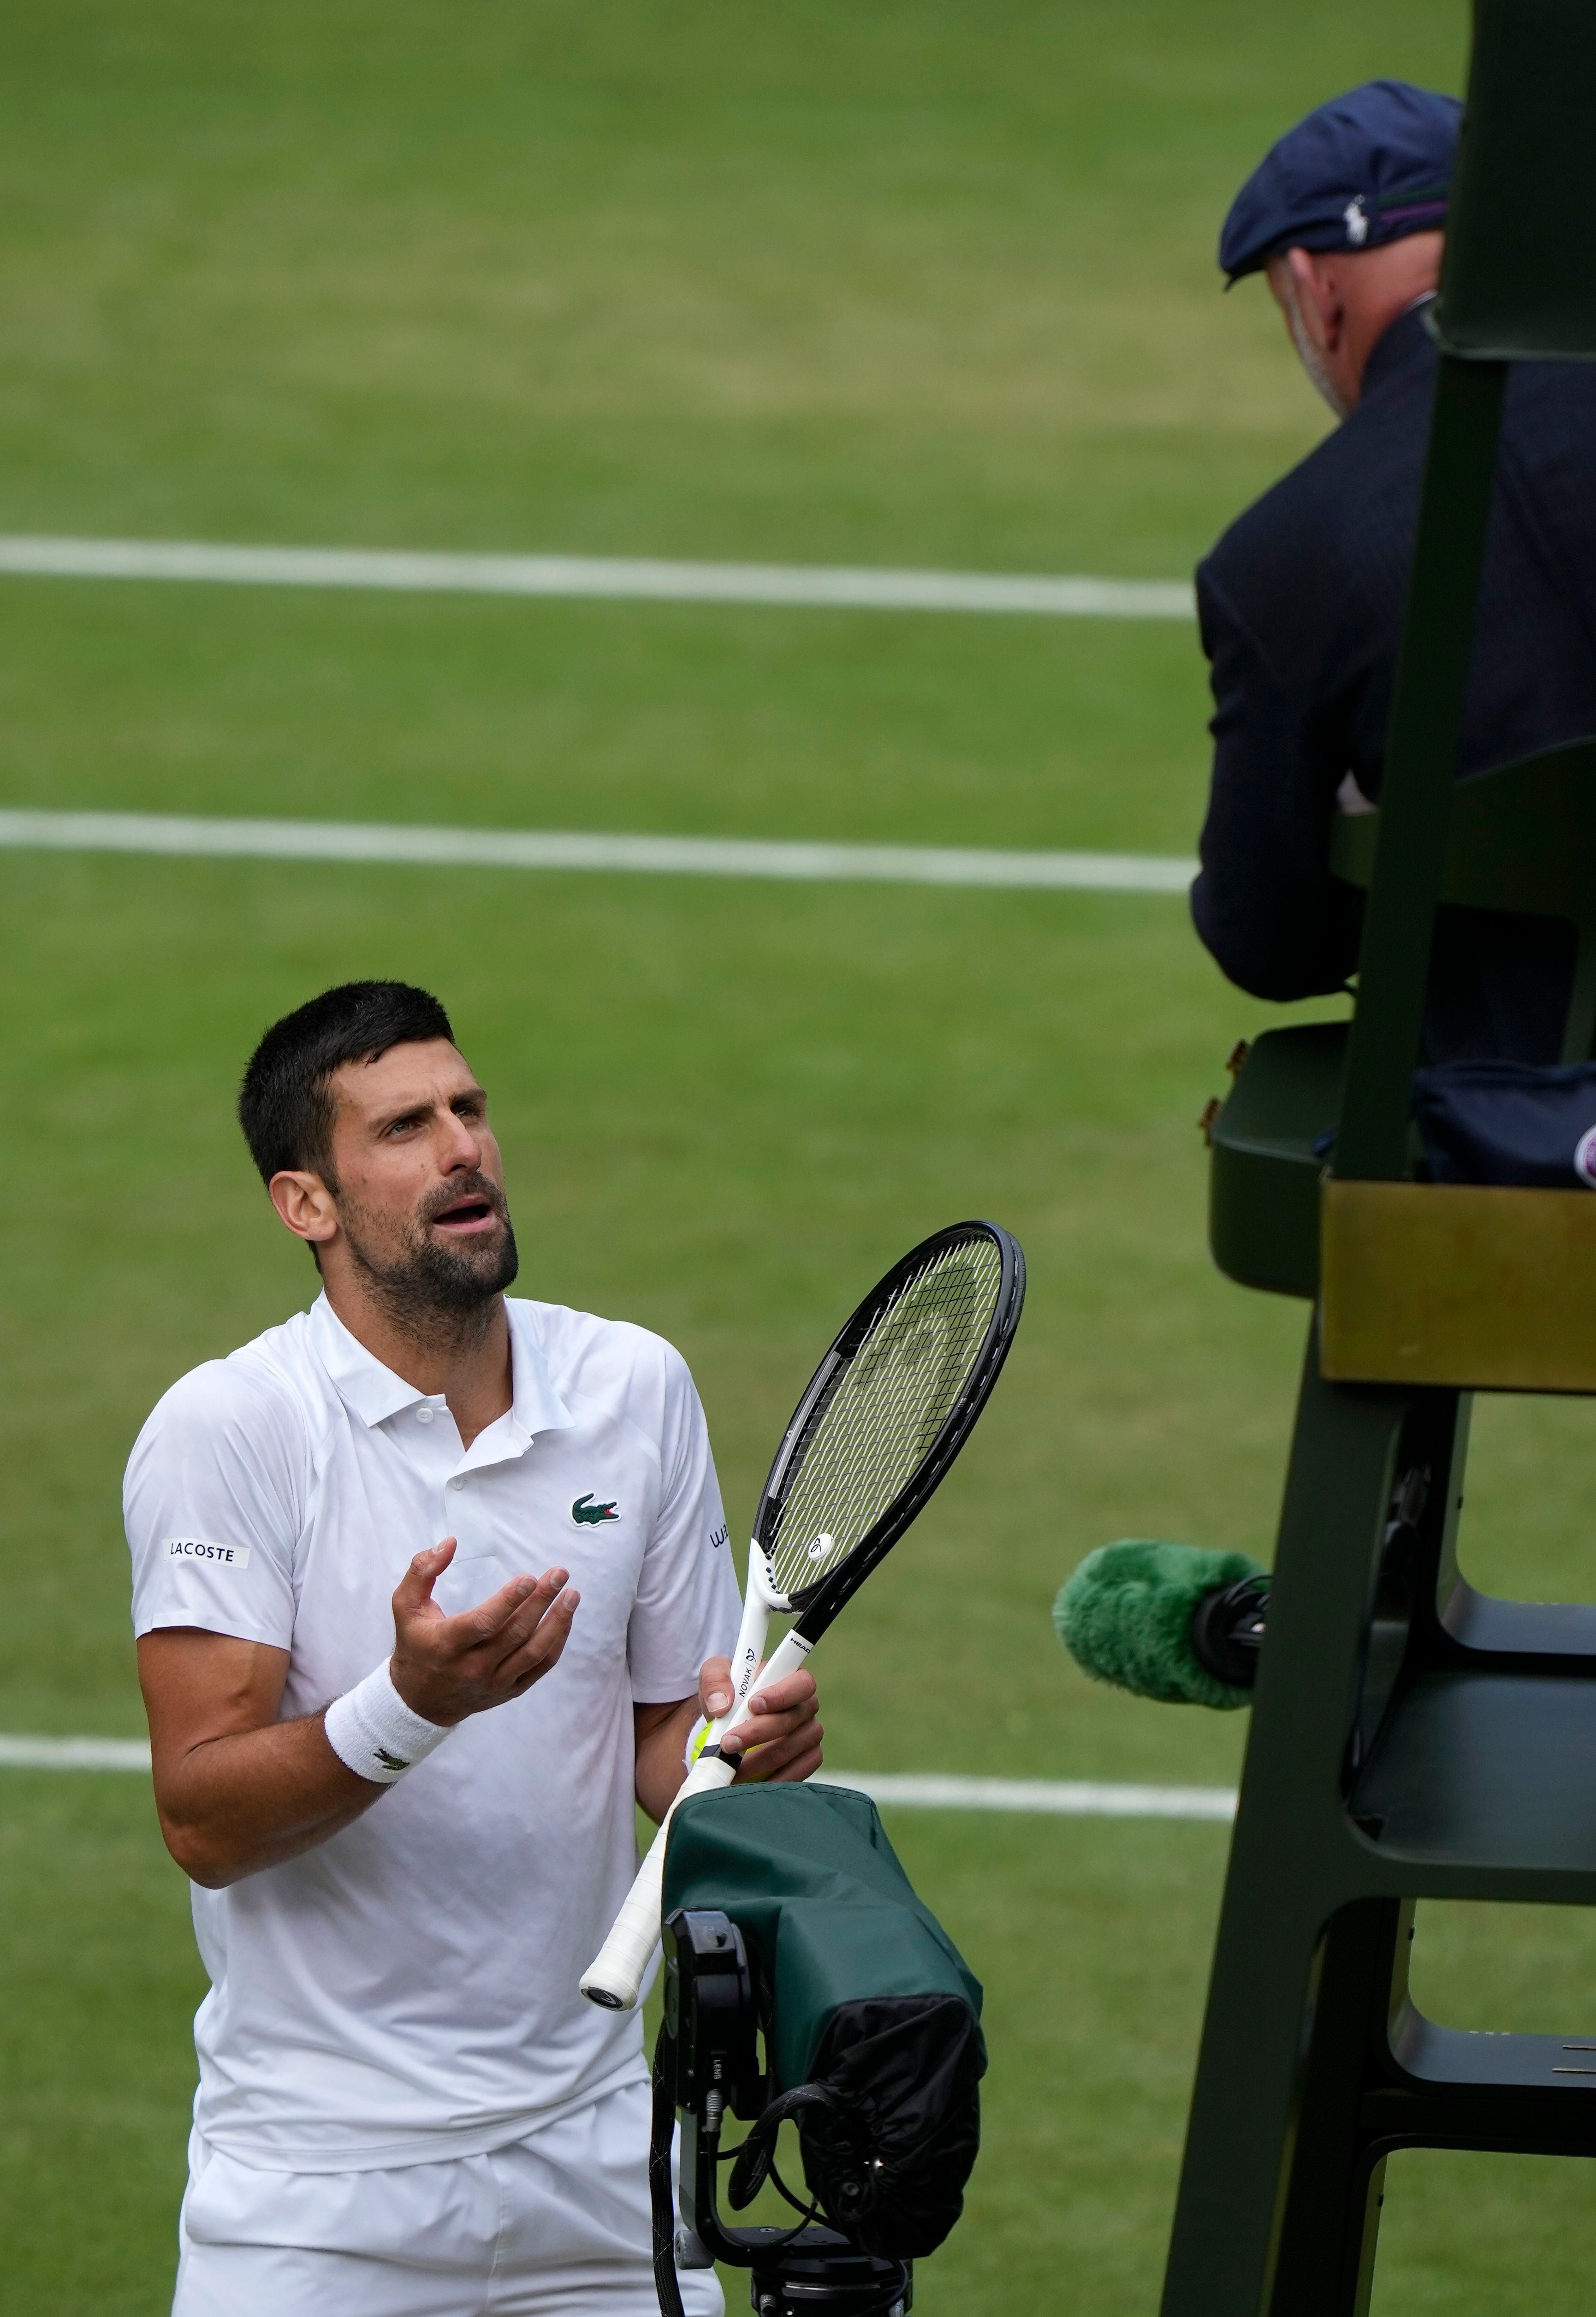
[{"x": 555, "y": 2225}]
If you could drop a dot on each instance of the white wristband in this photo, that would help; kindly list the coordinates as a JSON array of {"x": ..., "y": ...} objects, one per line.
[{"x": 373, "y": 1730}]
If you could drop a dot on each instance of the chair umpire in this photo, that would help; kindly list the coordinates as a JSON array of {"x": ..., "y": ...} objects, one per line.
[{"x": 1301, "y": 602}]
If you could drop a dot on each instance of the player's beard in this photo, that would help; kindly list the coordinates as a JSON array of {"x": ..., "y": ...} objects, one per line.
[
  {"x": 429, "y": 1288},
  {"x": 1310, "y": 356}
]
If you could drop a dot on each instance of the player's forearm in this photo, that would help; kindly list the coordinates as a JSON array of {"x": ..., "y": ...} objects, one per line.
[
  {"x": 233, "y": 1805},
  {"x": 780, "y": 1740},
  {"x": 660, "y": 1764}
]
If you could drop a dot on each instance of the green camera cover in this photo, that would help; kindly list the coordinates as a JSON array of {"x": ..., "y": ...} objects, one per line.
[
  {"x": 807, "y": 1874},
  {"x": 872, "y": 2016}
]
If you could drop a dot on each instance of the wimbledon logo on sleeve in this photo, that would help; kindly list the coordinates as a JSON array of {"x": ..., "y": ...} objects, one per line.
[
  {"x": 195, "y": 1548},
  {"x": 587, "y": 1515}
]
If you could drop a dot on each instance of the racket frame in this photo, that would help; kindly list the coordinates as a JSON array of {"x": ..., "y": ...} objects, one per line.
[{"x": 817, "y": 1605}]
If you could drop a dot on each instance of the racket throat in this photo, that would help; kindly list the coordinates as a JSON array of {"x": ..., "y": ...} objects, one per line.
[{"x": 789, "y": 1657}]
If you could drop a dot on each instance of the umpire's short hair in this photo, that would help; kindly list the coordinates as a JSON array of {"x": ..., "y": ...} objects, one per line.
[{"x": 285, "y": 1105}]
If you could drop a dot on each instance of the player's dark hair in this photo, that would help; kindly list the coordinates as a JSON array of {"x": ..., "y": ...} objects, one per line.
[{"x": 286, "y": 1104}]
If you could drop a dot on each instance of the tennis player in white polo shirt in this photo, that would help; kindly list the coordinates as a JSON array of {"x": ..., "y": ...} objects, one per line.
[{"x": 401, "y": 1772}]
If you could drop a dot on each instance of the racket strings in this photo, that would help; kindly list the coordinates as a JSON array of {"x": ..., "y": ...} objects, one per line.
[
  {"x": 868, "y": 1438},
  {"x": 903, "y": 1382}
]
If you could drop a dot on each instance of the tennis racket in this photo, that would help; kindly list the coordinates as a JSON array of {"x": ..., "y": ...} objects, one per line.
[{"x": 884, "y": 1415}]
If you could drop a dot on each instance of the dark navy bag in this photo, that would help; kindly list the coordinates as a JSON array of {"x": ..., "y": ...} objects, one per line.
[{"x": 1509, "y": 1122}]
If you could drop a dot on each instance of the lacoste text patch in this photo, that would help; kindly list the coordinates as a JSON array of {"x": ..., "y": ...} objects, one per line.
[{"x": 195, "y": 1548}]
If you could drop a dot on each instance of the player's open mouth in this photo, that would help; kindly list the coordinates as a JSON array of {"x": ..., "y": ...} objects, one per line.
[{"x": 466, "y": 1215}]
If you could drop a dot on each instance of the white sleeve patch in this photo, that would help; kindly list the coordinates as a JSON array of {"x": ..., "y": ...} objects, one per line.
[
  {"x": 211, "y": 1503},
  {"x": 195, "y": 1548}
]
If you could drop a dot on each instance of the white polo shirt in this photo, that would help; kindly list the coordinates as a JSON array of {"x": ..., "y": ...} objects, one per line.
[{"x": 408, "y": 1990}]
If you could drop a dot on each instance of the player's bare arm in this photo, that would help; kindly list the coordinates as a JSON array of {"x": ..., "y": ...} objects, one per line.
[
  {"x": 786, "y": 1743},
  {"x": 236, "y": 1790}
]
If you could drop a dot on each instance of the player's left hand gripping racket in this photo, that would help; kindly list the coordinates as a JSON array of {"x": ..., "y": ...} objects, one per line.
[{"x": 885, "y": 1413}]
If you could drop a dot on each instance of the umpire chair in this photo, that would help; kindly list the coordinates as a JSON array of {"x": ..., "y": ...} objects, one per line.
[{"x": 1411, "y": 1738}]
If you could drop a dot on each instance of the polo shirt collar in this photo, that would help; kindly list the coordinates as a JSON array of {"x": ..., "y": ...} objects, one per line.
[
  {"x": 534, "y": 1404},
  {"x": 375, "y": 1393}
]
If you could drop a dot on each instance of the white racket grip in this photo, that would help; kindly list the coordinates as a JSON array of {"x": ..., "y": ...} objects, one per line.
[{"x": 616, "y": 1972}]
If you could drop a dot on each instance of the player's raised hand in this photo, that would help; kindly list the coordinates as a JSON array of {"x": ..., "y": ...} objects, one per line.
[{"x": 447, "y": 1667}]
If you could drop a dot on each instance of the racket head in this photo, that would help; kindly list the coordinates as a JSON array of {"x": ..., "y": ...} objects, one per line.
[{"x": 885, "y": 1413}]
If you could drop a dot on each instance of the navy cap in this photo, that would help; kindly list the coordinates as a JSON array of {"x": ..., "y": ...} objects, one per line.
[{"x": 1366, "y": 168}]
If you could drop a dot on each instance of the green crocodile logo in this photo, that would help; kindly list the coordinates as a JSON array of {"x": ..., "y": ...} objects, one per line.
[{"x": 587, "y": 1515}]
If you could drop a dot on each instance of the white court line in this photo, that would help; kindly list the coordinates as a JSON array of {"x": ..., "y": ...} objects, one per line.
[
  {"x": 75, "y": 1754},
  {"x": 524, "y": 848},
  {"x": 1063, "y": 1798},
  {"x": 617, "y": 576}
]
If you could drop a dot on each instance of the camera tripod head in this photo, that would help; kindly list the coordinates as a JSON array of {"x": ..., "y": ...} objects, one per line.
[{"x": 705, "y": 2066}]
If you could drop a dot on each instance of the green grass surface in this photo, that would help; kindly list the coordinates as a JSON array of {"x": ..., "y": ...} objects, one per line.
[
  {"x": 628, "y": 716},
  {"x": 925, "y": 284},
  {"x": 922, "y": 282}
]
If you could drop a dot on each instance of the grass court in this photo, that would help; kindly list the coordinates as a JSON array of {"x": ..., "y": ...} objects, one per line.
[{"x": 927, "y": 285}]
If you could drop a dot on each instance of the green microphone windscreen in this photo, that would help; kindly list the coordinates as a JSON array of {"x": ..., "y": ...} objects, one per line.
[{"x": 1125, "y": 1617}]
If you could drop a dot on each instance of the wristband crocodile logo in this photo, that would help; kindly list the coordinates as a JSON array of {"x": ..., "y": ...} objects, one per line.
[{"x": 587, "y": 1515}]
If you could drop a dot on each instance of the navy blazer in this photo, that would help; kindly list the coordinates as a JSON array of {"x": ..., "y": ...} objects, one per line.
[{"x": 1301, "y": 607}]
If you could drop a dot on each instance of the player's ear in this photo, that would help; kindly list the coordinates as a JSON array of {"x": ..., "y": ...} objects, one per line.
[{"x": 304, "y": 1205}]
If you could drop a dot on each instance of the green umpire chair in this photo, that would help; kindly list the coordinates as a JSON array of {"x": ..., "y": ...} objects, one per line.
[{"x": 1411, "y": 1738}]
